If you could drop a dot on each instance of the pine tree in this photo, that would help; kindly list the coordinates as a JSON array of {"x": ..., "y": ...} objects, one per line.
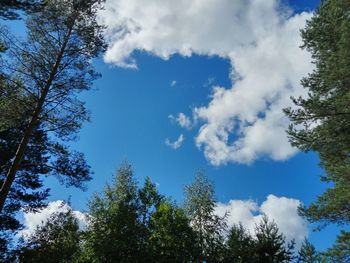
[
  {"x": 321, "y": 121},
  {"x": 325, "y": 114},
  {"x": 51, "y": 68},
  {"x": 10, "y": 9},
  {"x": 27, "y": 192}
]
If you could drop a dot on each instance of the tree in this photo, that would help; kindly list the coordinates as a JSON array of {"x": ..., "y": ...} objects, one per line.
[
  {"x": 27, "y": 192},
  {"x": 308, "y": 253},
  {"x": 9, "y": 9},
  {"x": 42, "y": 157},
  {"x": 149, "y": 201},
  {"x": 340, "y": 252},
  {"x": 240, "y": 245},
  {"x": 51, "y": 68},
  {"x": 172, "y": 238},
  {"x": 270, "y": 245},
  {"x": 56, "y": 241},
  {"x": 209, "y": 227},
  {"x": 14, "y": 106},
  {"x": 321, "y": 121},
  {"x": 116, "y": 230}
]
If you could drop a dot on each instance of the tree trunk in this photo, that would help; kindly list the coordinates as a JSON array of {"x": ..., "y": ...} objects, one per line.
[{"x": 11, "y": 174}]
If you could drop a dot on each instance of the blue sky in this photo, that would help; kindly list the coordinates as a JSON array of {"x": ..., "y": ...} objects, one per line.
[{"x": 130, "y": 110}]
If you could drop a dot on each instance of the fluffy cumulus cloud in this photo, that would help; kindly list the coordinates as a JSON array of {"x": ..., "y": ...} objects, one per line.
[
  {"x": 284, "y": 211},
  {"x": 260, "y": 38},
  {"x": 33, "y": 220},
  {"x": 176, "y": 144}
]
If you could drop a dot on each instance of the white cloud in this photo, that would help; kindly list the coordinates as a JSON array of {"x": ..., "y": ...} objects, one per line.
[
  {"x": 260, "y": 38},
  {"x": 33, "y": 220},
  {"x": 176, "y": 144},
  {"x": 284, "y": 211},
  {"x": 173, "y": 83},
  {"x": 182, "y": 120}
]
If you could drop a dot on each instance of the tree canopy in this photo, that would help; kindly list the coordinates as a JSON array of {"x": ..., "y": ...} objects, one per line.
[
  {"x": 308, "y": 253},
  {"x": 40, "y": 78},
  {"x": 50, "y": 68},
  {"x": 10, "y": 9},
  {"x": 129, "y": 222},
  {"x": 209, "y": 227},
  {"x": 321, "y": 121},
  {"x": 57, "y": 240}
]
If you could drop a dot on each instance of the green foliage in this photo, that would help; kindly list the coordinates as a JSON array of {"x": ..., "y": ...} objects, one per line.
[
  {"x": 43, "y": 157},
  {"x": 209, "y": 227},
  {"x": 112, "y": 234},
  {"x": 27, "y": 192},
  {"x": 57, "y": 241},
  {"x": 14, "y": 106},
  {"x": 240, "y": 245},
  {"x": 331, "y": 206},
  {"x": 149, "y": 201},
  {"x": 56, "y": 58},
  {"x": 45, "y": 73},
  {"x": 127, "y": 223},
  {"x": 10, "y": 9},
  {"x": 270, "y": 245},
  {"x": 340, "y": 252},
  {"x": 308, "y": 253},
  {"x": 117, "y": 231},
  {"x": 321, "y": 121},
  {"x": 172, "y": 239}
]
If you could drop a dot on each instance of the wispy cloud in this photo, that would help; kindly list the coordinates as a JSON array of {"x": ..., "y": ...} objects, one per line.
[
  {"x": 176, "y": 144},
  {"x": 261, "y": 39},
  {"x": 182, "y": 120}
]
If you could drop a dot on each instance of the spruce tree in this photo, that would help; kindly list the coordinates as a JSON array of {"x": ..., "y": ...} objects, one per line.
[
  {"x": 340, "y": 252},
  {"x": 308, "y": 253},
  {"x": 270, "y": 245},
  {"x": 240, "y": 245}
]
